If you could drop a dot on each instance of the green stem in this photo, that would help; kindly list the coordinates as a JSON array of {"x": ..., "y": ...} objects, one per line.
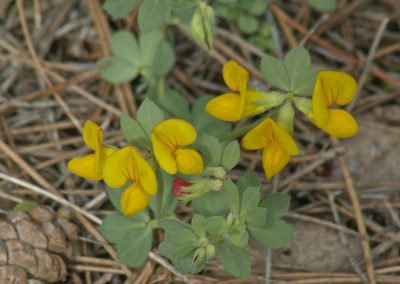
[{"x": 159, "y": 194}]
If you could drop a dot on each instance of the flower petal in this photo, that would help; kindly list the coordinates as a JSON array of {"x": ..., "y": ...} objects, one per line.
[
  {"x": 320, "y": 105},
  {"x": 338, "y": 87},
  {"x": 164, "y": 156},
  {"x": 250, "y": 108},
  {"x": 284, "y": 138},
  {"x": 256, "y": 138},
  {"x": 93, "y": 135},
  {"x": 189, "y": 161},
  {"x": 85, "y": 167},
  {"x": 119, "y": 168},
  {"x": 134, "y": 200},
  {"x": 235, "y": 76},
  {"x": 225, "y": 107},
  {"x": 275, "y": 158},
  {"x": 175, "y": 132},
  {"x": 340, "y": 124},
  {"x": 144, "y": 174}
]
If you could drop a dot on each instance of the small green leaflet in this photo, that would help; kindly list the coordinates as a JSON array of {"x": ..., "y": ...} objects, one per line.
[
  {"x": 175, "y": 105},
  {"x": 231, "y": 155},
  {"x": 153, "y": 14},
  {"x": 276, "y": 235},
  {"x": 134, "y": 133},
  {"x": 132, "y": 237},
  {"x": 149, "y": 115},
  {"x": 131, "y": 57},
  {"x": 277, "y": 203},
  {"x": 295, "y": 74},
  {"x": 247, "y": 24},
  {"x": 210, "y": 148},
  {"x": 119, "y": 8},
  {"x": 234, "y": 259},
  {"x": 249, "y": 179}
]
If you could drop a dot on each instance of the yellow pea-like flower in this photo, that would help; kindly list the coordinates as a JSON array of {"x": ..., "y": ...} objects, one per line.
[
  {"x": 334, "y": 88},
  {"x": 128, "y": 165},
  {"x": 168, "y": 138},
  {"x": 91, "y": 166},
  {"x": 277, "y": 144},
  {"x": 241, "y": 102}
]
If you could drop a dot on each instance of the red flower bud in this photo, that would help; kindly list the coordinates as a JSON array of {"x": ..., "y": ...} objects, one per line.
[{"x": 177, "y": 185}]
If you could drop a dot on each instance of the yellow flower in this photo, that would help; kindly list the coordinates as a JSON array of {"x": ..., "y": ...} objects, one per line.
[
  {"x": 127, "y": 165},
  {"x": 240, "y": 104},
  {"x": 277, "y": 143},
  {"x": 168, "y": 138},
  {"x": 334, "y": 88},
  {"x": 91, "y": 166}
]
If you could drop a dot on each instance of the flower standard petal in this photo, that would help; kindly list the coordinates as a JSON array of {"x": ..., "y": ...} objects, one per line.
[
  {"x": 134, "y": 200},
  {"x": 320, "y": 104},
  {"x": 93, "y": 135},
  {"x": 225, "y": 107},
  {"x": 341, "y": 124},
  {"x": 235, "y": 76},
  {"x": 85, "y": 167},
  {"x": 189, "y": 161},
  {"x": 164, "y": 156},
  {"x": 338, "y": 87},
  {"x": 275, "y": 158}
]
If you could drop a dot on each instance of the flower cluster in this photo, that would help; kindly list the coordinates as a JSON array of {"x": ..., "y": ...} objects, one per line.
[
  {"x": 332, "y": 88},
  {"x": 126, "y": 166}
]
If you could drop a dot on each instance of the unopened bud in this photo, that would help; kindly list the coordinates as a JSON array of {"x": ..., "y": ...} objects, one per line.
[
  {"x": 202, "y": 25},
  {"x": 217, "y": 172},
  {"x": 177, "y": 185},
  {"x": 210, "y": 251},
  {"x": 199, "y": 256},
  {"x": 214, "y": 184}
]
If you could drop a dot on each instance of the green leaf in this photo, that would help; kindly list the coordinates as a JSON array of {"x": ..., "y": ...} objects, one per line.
[
  {"x": 258, "y": 7},
  {"x": 231, "y": 155},
  {"x": 148, "y": 115},
  {"x": 153, "y": 14},
  {"x": 116, "y": 227},
  {"x": 134, "y": 133},
  {"x": 296, "y": 61},
  {"x": 124, "y": 64},
  {"x": 204, "y": 122},
  {"x": 231, "y": 196},
  {"x": 164, "y": 59},
  {"x": 249, "y": 179},
  {"x": 234, "y": 259},
  {"x": 216, "y": 225},
  {"x": 179, "y": 5},
  {"x": 171, "y": 225},
  {"x": 255, "y": 216},
  {"x": 247, "y": 24},
  {"x": 149, "y": 43},
  {"x": 119, "y": 8},
  {"x": 134, "y": 249},
  {"x": 278, "y": 203},
  {"x": 275, "y": 235},
  {"x": 26, "y": 205},
  {"x": 175, "y": 105},
  {"x": 117, "y": 70},
  {"x": 199, "y": 225},
  {"x": 275, "y": 72},
  {"x": 124, "y": 45},
  {"x": 210, "y": 204},
  {"x": 250, "y": 198},
  {"x": 210, "y": 148},
  {"x": 323, "y": 5}
]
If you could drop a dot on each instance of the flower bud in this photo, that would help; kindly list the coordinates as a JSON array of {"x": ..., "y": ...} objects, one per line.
[
  {"x": 202, "y": 25},
  {"x": 199, "y": 256},
  {"x": 177, "y": 185},
  {"x": 210, "y": 251},
  {"x": 217, "y": 172}
]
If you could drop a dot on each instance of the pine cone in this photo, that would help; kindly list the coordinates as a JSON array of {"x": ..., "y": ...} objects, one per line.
[{"x": 35, "y": 246}]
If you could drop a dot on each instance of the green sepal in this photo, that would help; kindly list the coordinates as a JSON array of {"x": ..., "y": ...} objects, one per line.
[{"x": 285, "y": 116}]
